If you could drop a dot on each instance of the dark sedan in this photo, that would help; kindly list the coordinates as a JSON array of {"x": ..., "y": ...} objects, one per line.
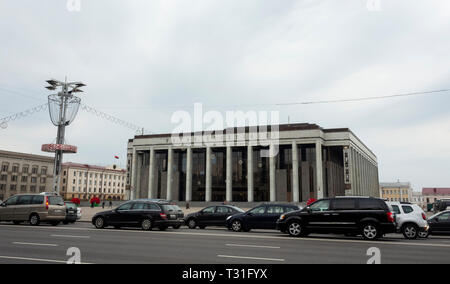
[
  {"x": 262, "y": 217},
  {"x": 71, "y": 213},
  {"x": 439, "y": 224},
  {"x": 146, "y": 214},
  {"x": 211, "y": 216}
]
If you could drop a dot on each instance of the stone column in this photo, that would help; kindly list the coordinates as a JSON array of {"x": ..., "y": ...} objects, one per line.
[
  {"x": 208, "y": 190},
  {"x": 151, "y": 174},
  {"x": 133, "y": 175},
  {"x": 295, "y": 180},
  {"x": 250, "y": 176},
  {"x": 319, "y": 169},
  {"x": 229, "y": 179},
  {"x": 273, "y": 194},
  {"x": 138, "y": 176},
  {"x": 189, "y": 174},
  {"x": 169, "y": 173}
]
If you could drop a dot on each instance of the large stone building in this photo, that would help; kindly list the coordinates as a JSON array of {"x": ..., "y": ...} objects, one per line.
[
  {"x": 396, "y": 191},
  {"x": 310, "y": 162},
  {"x": 87, "y": 181},
  {"x": 24, "y": 173},
  {"x": 433, "y": 194}
]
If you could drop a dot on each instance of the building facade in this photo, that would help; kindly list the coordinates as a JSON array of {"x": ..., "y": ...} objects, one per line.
[
  {"x": 417, "y": 198},
  {"x": 22, "y": 173},
  {"x": 432, "y": 194},
  {"x": 86, "y": 181},
  {"x": 303, "y": 161},
  {"x": 396, "y": 191}
]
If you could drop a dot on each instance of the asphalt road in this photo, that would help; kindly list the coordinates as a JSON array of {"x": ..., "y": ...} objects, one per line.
[{"x": 47, "y": 244}]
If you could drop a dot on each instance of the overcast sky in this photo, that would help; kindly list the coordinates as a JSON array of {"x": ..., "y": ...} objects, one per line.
[{"x": 143, "y": 60}]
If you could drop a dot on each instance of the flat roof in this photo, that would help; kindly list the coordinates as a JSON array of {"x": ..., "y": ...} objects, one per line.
[{"x": 19, "y": 155}]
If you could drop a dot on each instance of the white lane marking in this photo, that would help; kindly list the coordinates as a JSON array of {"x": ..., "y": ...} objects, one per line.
[
  {"x": 251, "y": 236},
  {"x": 250, "y": 257},
  {"x": 251, "y": 246},
  {"x": 70, "y": 236},
  {"x": 35, "y": 244},
  {"x": 35, "y": 259}
]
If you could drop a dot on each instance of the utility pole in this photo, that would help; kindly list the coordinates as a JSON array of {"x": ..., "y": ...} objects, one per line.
[{"x": 63, "y": 108}]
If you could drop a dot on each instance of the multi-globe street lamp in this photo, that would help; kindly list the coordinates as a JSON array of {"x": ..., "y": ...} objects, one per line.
[{"x": 63, "y": 108}]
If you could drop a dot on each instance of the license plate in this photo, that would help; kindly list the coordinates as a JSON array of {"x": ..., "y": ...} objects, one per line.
[
  {"x": 57, "y": 211},
  {"x": 173, "y": 216}
]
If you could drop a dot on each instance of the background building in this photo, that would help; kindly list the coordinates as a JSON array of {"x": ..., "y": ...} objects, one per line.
[
  {"x": 86, "y": 181},
  {"x": 431, "y": 194},
  {"x": 396, "y": 191},
  {"x": 418, "y": 199},
  {"x": 312, "y": 162},
  {"x": 24, "y": 173}
]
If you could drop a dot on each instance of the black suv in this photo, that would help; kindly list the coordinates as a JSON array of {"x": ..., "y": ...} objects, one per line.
[
  {"x": 264, "y": 216},
  {"x": 366, "y": 216},
  {"x": 146, "y": 214}
]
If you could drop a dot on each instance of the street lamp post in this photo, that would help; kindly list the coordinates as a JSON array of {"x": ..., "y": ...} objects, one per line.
[{"x": 63, "y": 108}]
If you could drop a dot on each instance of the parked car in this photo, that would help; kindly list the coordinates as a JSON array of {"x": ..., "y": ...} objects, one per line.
[
  {"x": 211, "y": 216},
  {"x": 79, "y": 213},
  {"x": 264, "y": 216},
  {"x": 439, "y": 224},
  {"x": 442, "y": 205},
  {"x": 366, "y": 216},
  {"x": 146, "y": 214},
  {"x": 71, "y": 213},
  {"x": 35, "y": 208},
  {"x": 410, "y": 218}
]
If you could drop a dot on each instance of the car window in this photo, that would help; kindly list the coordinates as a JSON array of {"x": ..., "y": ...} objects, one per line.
[
  {"x": 322, "y": 205},
  {"x": 11, "y": 201},
  {"x": 126, "y": 206},
  {"x": 209, "y": 210},
  {"x": 37, "y": 200},
  {"x": 371, "y": 204},
  {"x": 344, "y": 204},
  {"x": 290, "y": 209},
  {"x": 70, "y": 205},
  {"x": 151, "y": 206},
  {"x": 223, "y": 209},
  {"x": 25, "y": 200},
  {"x": 407, "y": 209},
  {"x": 236, "y": 209},
  {"x": 258, "y": 210},
  {"x": 55, "y": 200},
  {"x": 396, "y": 209},
  {"x": 275, "y": 210},
  {"x": 139, "y": 206},
  {"x": 444, "y": 217}
]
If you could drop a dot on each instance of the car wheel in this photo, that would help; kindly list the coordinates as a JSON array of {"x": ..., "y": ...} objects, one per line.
[
  {"x": 410, "y": 231},
  {"x": 146, "y": 224},
  {"x": 176, "y": 227},
  {"x": 424, "y": 235},
  {"x": 236, "y": 225},
  {"x": 16, "y": 222},
  {"x": 35, "y": 220},
  {"x": 192, "y": 224},
  {"x": 162, "y": 228},
  {"x": 370, "y": 231},
  {"x": 295, "y": 229},
  {"x": 99, "y": 223}
]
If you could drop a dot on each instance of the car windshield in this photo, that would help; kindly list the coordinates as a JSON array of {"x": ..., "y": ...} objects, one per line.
[
  {"x": 237, "y": 209},
  {"x": 55, "y": 200},
  {"x": 169, "y": 207},
  {"x": 71, "y": 205}
]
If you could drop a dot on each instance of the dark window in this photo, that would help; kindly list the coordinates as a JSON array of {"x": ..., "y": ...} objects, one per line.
[
  {"x": 151, "y": 206},
  {"x": 407, "y": 209},
  {"x": 371, "y": 204},
  {"x": 71, "y": 205},
  {"x": 55, "y": 200},
  {"x": 11, "y": 201},
  {"x": 258, "y": 210},
  {"x": 25, "y": 199},
  {"x": 444, "y": 217},
  {"x": 208, "y": 210},
  {"x": 290, "y": 209},
  {"x": 138, "y": 206},
  {"x": 344, "y": 204},
  {"x": 126, "y": 206},
  {"x": 223, "y": 209},
  {"x": 275, "y": 210},
  {"x": 322, "y": 205},
  {"x": 396, "y": 209},
  {"x": 38, "y": 199}
]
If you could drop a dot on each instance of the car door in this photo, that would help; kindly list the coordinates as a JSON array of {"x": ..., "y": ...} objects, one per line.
[
  {"x": 343, "y": 214},
  {"x": 121, "y": 215},
  {"x": 441, "y": 223},
  {"x": 273, "y": 213},
  {"x": 254, "y": 219},
  {"x": 222, "y": 213},
  {"x": 137, "y": 211},
  {"x": 7, "y": 209},
  {"x": 206, "y": 216},
  {"x": 22, "y": 209},
  {"x": 319, "y": 216}
]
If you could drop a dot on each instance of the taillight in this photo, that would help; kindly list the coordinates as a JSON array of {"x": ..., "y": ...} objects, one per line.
[
  {"x": 164, "y": 216},
  {"x": 390, "y": 216},
  {"x": 424, "y": 216},
  {"x": 46, "y": 202}
]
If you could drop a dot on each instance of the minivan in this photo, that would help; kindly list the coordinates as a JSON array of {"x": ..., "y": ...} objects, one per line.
[{"x": 33, "y": 208}]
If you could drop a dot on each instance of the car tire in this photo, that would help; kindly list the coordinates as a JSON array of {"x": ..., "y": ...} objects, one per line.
[
  {"x": 370, "y": 231},
  {"x": 35, "y": 220},
  {"x": 424, "y": 235},
  {"x": 146, "y": 224},
  {"x": 99, "y": 223},
  {"x": 236, "y": 226},
  {"x": 410, "y": 231},
  {"x": 295, "y": 229},
  {"x": 16, "y": 222},
  {"x": 192, "y": 224}
]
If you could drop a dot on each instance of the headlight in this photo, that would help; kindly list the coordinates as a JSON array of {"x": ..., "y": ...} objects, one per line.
[
  {"x": 229, "y": 217},
  {"x": 282, "y": 217}
]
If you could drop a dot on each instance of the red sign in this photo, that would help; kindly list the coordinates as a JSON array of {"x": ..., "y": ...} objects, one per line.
[{"x": 51, "y": 148}]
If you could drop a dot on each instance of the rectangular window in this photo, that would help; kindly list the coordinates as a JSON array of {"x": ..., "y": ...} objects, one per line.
[
  {"x": 25, "y": 170},
  {"x": 24, "y": 179},
  {"x": 343, "y": 204},
  {"x": 34, "y": 170},
  {"x": 5, "y": 167}
]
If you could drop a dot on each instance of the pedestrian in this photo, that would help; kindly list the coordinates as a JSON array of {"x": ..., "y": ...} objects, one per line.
[
  {"x": 110, "y": 204},
  {"x": 103, "y": 204},
  {"x": 187, "y": 205}
]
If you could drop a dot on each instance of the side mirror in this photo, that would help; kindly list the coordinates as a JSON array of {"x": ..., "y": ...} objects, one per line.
[{"x": 308, "y": 209}]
